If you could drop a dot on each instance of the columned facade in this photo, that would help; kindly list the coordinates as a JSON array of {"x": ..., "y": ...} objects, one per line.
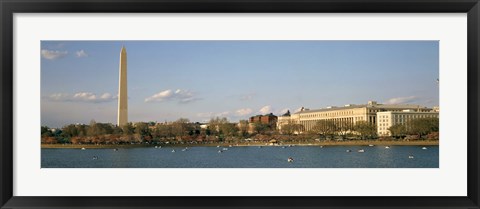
[
  {"x": 389, "y": 119},
  {"x": 345, "y": 117}
]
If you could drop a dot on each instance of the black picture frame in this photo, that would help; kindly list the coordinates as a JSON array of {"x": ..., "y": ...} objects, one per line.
[{"x": 10, "y": 7}]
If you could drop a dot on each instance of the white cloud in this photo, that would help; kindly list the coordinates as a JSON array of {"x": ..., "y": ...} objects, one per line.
[
  {"x": 243, "y": 111},
  {"x": 58, "y": 97},
  {"x": 182, "y": 96},
  {"x": 160, "y": 96},
  {"x": 53, "y": 54},
  {"x": 81, "y": 53},
  {"x": 81, "y": 97},
  {"x": 223, "y": 114},
  {"x": 266, "y": 110},
  {"x": 402, "y": 100},
  {"x": 106, "y": 96},
  {"x": 212, "y": 114},
  {"x": 85, "y": 96},
  {"x": 298, "y": 109},
  {"x": 283, "y": 111}
]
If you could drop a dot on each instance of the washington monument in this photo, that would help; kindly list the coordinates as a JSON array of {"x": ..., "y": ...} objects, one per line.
[{"x": 122, "y": 89}]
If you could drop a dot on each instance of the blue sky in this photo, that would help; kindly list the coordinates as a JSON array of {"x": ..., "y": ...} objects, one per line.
[{"x": 234, "y": 79}]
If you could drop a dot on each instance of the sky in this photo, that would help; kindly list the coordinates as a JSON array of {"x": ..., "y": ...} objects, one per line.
[{"x": 198, "y": 80}]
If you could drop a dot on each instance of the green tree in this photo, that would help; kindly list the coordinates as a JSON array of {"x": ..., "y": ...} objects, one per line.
[
  {"x": 92, "y": 129},
  {"x": 398, "y": 130},
  {"x": 163, "y": 131},
  {"x": 243, "y": 127},
  {"x": 70, "y": 131},
  {"x": 181, "y": 127},
  {"x": 423, "y": 126},
  {"x": 208, "y": 132},
  {"x": 261, "y": 128},
  {"x": 117, "y": 130},
  {"x": 325, "y": 128},
  {"x": 105, "y": 128},
  {"x": 229, "y": 129},
  {"x": 365, "y": 129},
  {"x": 215, "y": 125},
  {"x": 292, "y": 128},
  {"x": 287, "y": 129},
  {"x": 82, "y": 129},
  {"x": 128, "y": 129},
  {"x": 142, "y": 129},
  {"x": 45, "y": 131}
]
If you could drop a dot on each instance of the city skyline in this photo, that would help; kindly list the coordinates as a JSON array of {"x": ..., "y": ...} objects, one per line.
[{"x": 199, "y": 80}]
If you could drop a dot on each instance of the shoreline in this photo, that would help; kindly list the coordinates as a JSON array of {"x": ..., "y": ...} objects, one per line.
[{"x": 322, "y": 143}]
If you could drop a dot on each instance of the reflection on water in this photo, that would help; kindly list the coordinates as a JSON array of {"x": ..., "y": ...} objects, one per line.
[{"x": 245, "y": 157}]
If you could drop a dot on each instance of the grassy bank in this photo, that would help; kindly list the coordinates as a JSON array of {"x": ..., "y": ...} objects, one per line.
[{"x": 321, "y": 143}]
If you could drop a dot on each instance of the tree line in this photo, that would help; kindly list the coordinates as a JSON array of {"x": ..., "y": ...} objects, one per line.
[
  {"x": 328, "y": 129},
  {"x": 419, "y": 127},
  {"x": 221, "y": 130}
]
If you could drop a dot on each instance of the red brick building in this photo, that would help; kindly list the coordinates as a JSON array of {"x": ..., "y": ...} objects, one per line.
[
  {"x": 264, "y": 119},
  {"x": 269, "y": 119}
]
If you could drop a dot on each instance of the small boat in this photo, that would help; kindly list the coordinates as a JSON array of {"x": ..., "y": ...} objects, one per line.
[
  {"x": 95, "y": 157},
  {"x": 290, "y": 159},
  {"x": 361, "y": 150},
  {"x": 371, "y": 145},
  {"x": 283, "y": 147},
  {"x": 387, "y": 147},
  {"x": 349, "y": 150},
  {"x": 183, "y": 150},
  {"x": 225, "y": 149},
  {"x": 260, "y": 147},
  {"x": 424, "y": 148},
  {"x": 410, "y": 157},
  {"x": 115, "y": 149},
  {"x": 321, "y": 146},
  {"x": 220, "y": 151},
  {"x": 229, "y": 145},
  {"x": 173, "y": 150},
  {"x": 83, "y": 148},
  {"x": 156, "y": 147},
  {"x": 218, "y": 145}
]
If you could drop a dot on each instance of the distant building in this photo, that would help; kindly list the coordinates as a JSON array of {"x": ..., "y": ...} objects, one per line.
[
  {"x": 348, "y": 115},
  {"x": 283, "y": 120},
  {"x": 268, "y": 119},
  {"x": 388, "y": 119}
]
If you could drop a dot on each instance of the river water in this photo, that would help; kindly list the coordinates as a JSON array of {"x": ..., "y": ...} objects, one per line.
[{"x": 245, "y": 157}]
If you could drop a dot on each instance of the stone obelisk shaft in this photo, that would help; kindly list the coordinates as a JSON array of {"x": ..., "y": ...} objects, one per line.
[{"x": 122, "y": 90}]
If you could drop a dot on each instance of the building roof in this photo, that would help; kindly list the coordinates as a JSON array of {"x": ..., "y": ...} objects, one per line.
[
  {"x": 407, "y": 112},
  {"x": 269, "y": 114},
  {"x": 351, "y": 106}
]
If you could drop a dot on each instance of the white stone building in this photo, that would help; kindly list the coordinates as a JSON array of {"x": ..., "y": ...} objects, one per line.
[
  {"x": 388, "y": 119},
  {"x": 347, "y": 115}
]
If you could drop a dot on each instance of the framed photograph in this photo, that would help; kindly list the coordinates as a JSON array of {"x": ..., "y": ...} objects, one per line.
[{"x": 239, "y": 104}]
